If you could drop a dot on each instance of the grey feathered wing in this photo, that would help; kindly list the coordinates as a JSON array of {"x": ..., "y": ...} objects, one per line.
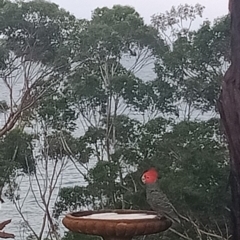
[{"x": 160, "y": 203}]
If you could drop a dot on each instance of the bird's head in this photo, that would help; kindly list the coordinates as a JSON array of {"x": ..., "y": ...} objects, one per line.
[{"x": 150, "y": 176}]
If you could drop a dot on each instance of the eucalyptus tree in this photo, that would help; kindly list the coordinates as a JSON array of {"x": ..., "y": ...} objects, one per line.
[
  {"x": 105, "y": 93},
  {"x": 35, "y": 57},
  {"x": 34, "y": 36},
  {"x": 196, "y": 59}
]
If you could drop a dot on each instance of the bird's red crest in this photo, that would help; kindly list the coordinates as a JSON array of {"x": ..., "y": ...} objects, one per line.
[{"x": 150, "y": 176}]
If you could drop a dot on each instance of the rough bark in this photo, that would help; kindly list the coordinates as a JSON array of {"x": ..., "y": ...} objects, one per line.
[
  {"x": 230, "y": 6},
  {"x": 229, "y": 108}
]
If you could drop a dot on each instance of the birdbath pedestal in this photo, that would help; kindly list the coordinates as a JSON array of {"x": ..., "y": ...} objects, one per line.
[{"x": 116, "y": 224}]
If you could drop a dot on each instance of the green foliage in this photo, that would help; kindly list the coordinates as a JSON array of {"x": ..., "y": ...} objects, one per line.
[
  {"x": 125, "y": 26},
  {"x": 16, "y": 158},
  {"x": 100, "y": 78},
  {"x": 191, "y": 158},
  {"x": 75, "y": 236},
  {"x": 195, "y": 148},
  {"x": 3, "y": 106},
  {"x": 36, "y": 30},
  {"x": 89, "y": 83},
  {"x": 195, "y": 62},
  {"x": 16, "y": 150},
  {"x": 4, "y": 54},
  {"x": 56, "y": 110},
  {"x": 72, "y": 198}
]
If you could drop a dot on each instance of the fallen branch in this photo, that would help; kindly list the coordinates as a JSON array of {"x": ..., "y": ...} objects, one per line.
[{"x": 4, "y": 234}]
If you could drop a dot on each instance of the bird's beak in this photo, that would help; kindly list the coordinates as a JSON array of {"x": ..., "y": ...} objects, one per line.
[{"x": 143, "y": 179}]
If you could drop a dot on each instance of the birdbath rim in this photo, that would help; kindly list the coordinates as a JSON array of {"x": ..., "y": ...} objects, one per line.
[
  {"x": 84, "y": 214},
  {"x": 112, "y": 228}
]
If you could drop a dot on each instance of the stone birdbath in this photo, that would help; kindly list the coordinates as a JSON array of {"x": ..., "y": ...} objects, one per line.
[{"x": 116, "y": 224}]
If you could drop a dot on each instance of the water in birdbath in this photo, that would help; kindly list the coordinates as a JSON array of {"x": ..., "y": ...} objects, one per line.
[{"x": 117, "y": 216}]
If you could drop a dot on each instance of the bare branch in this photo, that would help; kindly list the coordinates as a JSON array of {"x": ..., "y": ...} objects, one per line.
[{"x": 4, "y": 234}]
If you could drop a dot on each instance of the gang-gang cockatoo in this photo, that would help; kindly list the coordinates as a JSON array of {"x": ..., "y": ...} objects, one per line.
[{"x": 157, "y": 200}]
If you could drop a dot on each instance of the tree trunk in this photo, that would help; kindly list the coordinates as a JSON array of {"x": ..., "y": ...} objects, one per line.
[{"x": 229, "y": 108}]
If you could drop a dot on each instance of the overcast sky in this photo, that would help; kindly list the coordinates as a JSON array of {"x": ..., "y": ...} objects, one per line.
[{"x": 83, "y": 8}]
